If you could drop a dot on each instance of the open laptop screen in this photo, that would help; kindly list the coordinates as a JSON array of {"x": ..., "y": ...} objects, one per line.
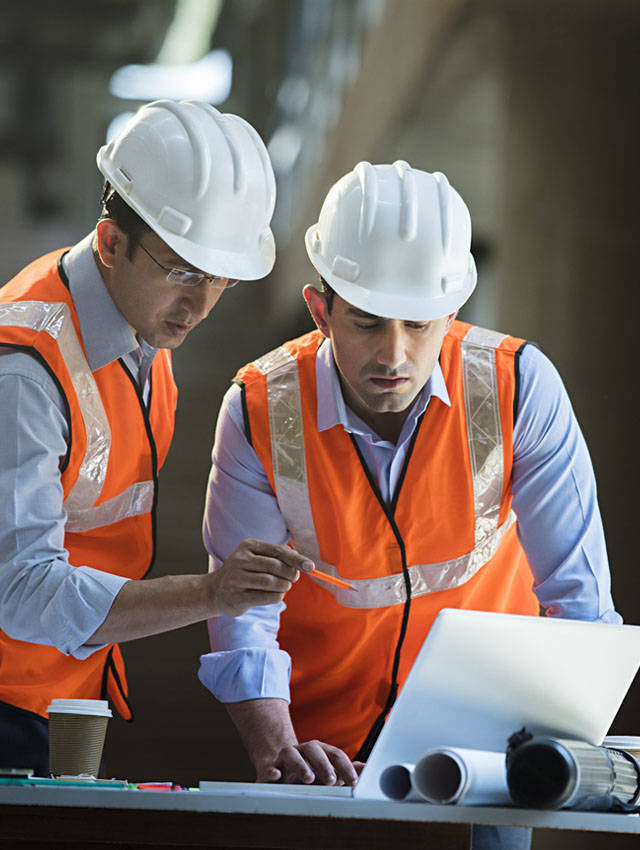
[{"x": 480, "y": 676}]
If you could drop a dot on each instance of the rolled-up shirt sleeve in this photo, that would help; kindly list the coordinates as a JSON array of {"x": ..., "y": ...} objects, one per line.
[
  {"x": 555, "y": 499},
  {"x": 43, "y": 598},
  {"x": 245, "y": 661}
]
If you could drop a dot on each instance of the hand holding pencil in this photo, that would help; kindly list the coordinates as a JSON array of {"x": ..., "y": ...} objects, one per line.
[
  {"x": 258, "y": 573},
  {"x": 330, "y": 579}
]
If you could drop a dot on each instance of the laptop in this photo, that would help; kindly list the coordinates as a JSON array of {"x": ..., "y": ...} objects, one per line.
[{"x": 481, "y": 676}]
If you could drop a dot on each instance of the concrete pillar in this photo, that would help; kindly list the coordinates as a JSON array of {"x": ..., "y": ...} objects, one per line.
[{"x": 568, "y": 238}]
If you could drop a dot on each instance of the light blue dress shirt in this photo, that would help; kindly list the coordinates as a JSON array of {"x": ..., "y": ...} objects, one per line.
[
  {"x": 43, "y": 599},
  {"x": 554, "y": 498}
]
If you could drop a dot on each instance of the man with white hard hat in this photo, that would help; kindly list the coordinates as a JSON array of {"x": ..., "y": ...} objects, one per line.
[
  {"x": 427, "y": 462},
  {"x": 88, "y": 402}
]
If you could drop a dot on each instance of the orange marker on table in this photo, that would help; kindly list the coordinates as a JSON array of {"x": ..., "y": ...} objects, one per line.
[{"x": 331, "y": 579}]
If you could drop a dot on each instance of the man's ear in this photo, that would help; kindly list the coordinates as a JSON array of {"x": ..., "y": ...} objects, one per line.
[
  {"x": 318, "y": 307},
  {"x": 109, "y": 240},
  {"x": 450, "y": 319}
]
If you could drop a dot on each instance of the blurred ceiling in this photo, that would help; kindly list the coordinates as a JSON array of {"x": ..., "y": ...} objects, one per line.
[
  {"x": 292, "y": 60},
  {"x": 325, "y": 82},
  {"x": 50, "y": 52},
  {"x": 102, "y": 32}
]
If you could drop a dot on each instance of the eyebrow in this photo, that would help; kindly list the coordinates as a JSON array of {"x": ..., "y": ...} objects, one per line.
[{"x": 177, "y": 262}]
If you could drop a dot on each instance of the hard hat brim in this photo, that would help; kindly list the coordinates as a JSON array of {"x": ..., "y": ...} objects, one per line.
[
  {"x": 395, "y": 305},
  {"x": 234, "y": 265}
]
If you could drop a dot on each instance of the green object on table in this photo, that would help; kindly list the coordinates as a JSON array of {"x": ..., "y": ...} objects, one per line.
[{"x": 65, "y": 783}]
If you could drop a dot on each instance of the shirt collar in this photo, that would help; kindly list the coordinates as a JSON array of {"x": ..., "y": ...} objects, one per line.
[
  {"x": 332, "y": 409},
  {"x": 106, "y": 334}
]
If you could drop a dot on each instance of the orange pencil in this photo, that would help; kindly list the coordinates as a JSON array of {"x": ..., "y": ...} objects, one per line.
[{"x": 331, "y": 579}]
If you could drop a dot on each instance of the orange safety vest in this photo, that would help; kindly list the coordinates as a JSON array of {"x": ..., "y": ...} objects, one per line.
[
  {"x": 449, "y": 531},
  {"x": 109, "y": 478}
]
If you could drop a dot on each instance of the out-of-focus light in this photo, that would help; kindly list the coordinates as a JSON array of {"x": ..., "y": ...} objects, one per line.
[
  {"x": 293, "y": 95},
  {"x": 208, "y": 79},
  {"x": 189, "y": 34},
  {"x": 117, "y": 125},
  {"x": 284, "y": 148}
]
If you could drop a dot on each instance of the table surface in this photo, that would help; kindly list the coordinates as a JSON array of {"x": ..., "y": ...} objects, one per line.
[{"x": 244, "y": 798}]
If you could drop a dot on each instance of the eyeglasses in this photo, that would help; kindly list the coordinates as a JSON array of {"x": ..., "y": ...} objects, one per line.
[{"x": 187, "y": 278}]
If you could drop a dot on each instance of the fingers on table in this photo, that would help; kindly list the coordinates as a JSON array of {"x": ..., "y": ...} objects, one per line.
[{"x": 319, "y": 762}]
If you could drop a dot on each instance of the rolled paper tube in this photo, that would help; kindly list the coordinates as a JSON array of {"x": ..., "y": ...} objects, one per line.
[
  {"x": 450, "y": 775},
  {"x": 395, "y": 783}
]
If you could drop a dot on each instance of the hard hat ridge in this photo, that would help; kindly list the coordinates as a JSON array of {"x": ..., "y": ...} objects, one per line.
[
  {"x": 445, "y": 209},
  {"x": 202, "y": 180},
  {"x": 409, "y": 204},
  {"x": 450, "y": 282},
  {"x": 369, "y": 189},
  {"x": 395, "y": 241},
  {"x": 262, "y": 164},
  {"x": 198, "y": 141}
]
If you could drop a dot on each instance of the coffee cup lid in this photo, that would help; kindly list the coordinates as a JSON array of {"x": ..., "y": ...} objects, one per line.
[{"x": 99, "y": 707}]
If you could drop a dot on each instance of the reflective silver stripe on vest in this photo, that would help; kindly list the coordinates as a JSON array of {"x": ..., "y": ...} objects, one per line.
[
  {"x": 287, "y": 450},
  {"x": 55, "y": 319},
  {"x": 484, "y": 436},
  {"x": 484, "y": 433},
  {"x": 425, "y": 578},
  {"x": 134, "y": 501}
]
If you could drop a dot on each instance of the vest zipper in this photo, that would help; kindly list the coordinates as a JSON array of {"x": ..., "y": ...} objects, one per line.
[
  {"x": 154, "y": 453},
  {"x": 372, "y": 736}
]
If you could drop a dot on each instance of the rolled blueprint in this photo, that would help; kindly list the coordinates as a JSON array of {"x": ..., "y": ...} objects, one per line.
[
  {"x": 447, "y": 775},
  {"x": 395, "y": 783}
]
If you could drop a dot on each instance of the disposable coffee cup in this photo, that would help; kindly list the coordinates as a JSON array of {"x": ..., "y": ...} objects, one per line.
[{"x": 77, "y": 729}]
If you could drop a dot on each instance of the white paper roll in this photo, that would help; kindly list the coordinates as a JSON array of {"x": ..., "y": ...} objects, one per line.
[
  {"x": 461, "y": 776},
  {"x": 395, "y": 783}
]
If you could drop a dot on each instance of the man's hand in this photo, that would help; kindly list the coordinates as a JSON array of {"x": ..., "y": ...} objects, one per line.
[
  {"x": 268, "y": 735},
  {"x": 310, "y": 762},
  {"x": 256, "y": 573}
]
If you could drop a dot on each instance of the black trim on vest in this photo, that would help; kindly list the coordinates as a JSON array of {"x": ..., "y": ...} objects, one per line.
[
  {"x": 104, "y": 691},
  {"x": 154, "y": 457},
  {"x": 149, "y": 402},
  {"x": 516, "y": 366},
  {"x": 32, "y": 715},
  {"x": 372, "y": 736},
  {"x": 61, "y": 271},
  {"x": 245, "y": 409},
  {"x": 35, "y": 353},
  {"x": 405, "y": 466},
  {"x": 110, "y": 667}
]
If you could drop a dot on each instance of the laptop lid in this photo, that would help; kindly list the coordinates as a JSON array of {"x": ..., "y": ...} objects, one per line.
[{"x": 480, "y": 676}]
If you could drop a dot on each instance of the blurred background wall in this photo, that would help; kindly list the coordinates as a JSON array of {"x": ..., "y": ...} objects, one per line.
[{"x": 528, "y": 106}]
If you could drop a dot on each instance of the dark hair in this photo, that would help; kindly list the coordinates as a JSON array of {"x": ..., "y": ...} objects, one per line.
[
  {"x": 114, "y": 207},
  {"x": 329, "y": 293}
]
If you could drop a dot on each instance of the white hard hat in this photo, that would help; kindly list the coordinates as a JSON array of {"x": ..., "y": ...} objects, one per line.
[
  {"x": 202, "y": 180},
  {"x": 395, "y": 242}
]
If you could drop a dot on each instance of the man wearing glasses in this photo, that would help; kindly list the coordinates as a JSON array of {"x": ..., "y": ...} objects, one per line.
[{"x": 88, "y": 402}]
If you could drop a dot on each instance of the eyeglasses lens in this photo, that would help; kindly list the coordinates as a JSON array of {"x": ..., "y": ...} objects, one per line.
[{"x": 185, "y": 278}]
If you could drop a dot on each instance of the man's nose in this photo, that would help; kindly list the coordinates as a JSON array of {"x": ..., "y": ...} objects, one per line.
[
  {"x": 392, "y": 349},
  {"x": 200, "y": 299}
]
